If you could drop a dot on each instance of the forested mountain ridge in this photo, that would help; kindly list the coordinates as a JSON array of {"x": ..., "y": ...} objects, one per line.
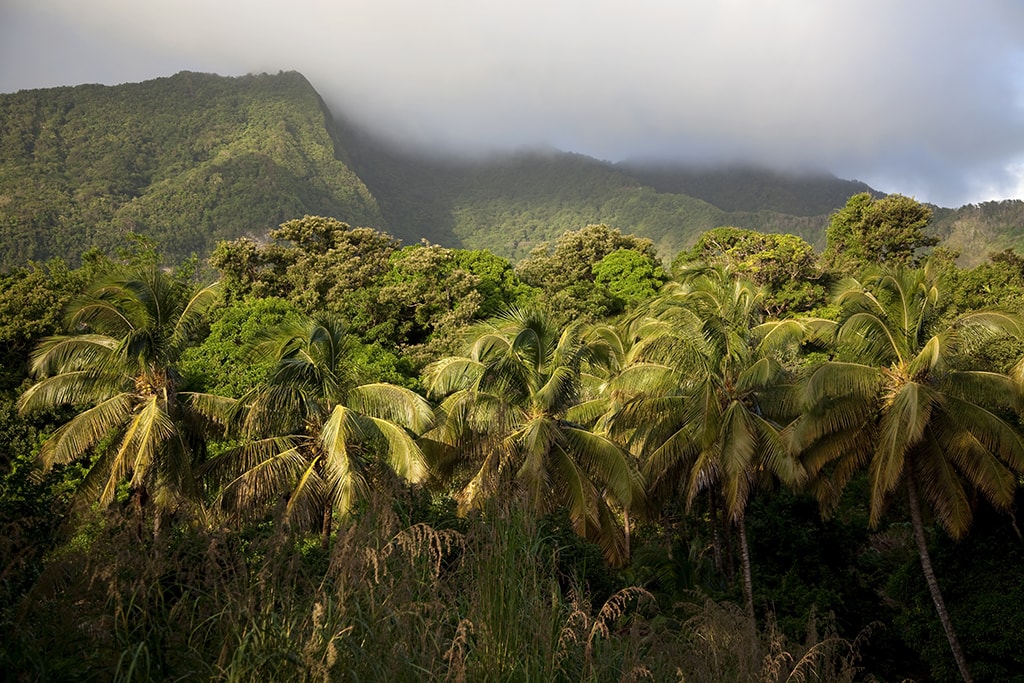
[
  {"x": 511, "y": 204},
  {"x": 194, "y": 159},
  {"x": 977, "y": 230},
  {"x": 187, "y": 160}
]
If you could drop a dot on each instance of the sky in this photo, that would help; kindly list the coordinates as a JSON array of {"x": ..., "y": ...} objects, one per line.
[{"x": 920, "y": 97}]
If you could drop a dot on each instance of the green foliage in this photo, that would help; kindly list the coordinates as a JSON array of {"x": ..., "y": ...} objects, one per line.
[
  {"x": 431, "y": 293},
  {"x": 629, "y": 275},
  {"x": 316, "y": 263},
  {"x": 869, "y": 231},
  {"x": 118, "y": 371},
  {"x": 187, "y": 160},
  {"x": 977, "y": 230},
  {"x": 983, "y": 577},
  {"x": 220, "y": 364},
  {"x": 749, "y": 189},
  {"x": 310, "y": 431},
  {"x": 414, "y": 300},
  {"x": 785, "y": 265},
  {"x": 32, "y": 302},
  {"x": 264, "y": 603},
  {"x": 566, "y": 274},
  {"x": 504, "y": 429},
  {"x": 511, "y": 205},
  {"x": 195, "y": 159},
  {"x": 392, "y": 602}
]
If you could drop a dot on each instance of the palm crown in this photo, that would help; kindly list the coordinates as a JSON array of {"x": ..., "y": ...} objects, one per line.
[
  {"x": 130, "y": 330},
  {"x": 506, "y": 415},
  {"x": 704, "y": 366},
  {"x": 905, "y": 406},
  {"x": 310, "y": 430}
]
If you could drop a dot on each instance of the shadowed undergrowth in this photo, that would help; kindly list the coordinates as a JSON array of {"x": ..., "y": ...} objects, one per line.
[{"x": 387, "y": 602}]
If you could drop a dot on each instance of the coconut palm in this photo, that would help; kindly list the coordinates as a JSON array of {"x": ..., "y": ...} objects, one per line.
[
  {"x": 118, "y": 367},
  {"x": 900, "y": 403},
  {"x": 711, "y": 419},
  {"x": 312, "y": 432},
  {"x": 506, "y": 421}
]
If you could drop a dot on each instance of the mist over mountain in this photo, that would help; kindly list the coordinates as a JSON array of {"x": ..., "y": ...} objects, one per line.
[{"x": 194, "y": 158}]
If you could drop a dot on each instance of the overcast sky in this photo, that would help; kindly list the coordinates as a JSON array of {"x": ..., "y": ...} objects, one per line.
[{"x": 920, "y": 97}]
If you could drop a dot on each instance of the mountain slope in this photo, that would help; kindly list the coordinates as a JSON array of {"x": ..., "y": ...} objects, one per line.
[
  {"x": 195, "y": 158},
  {"x": 977, "y": 230},
  {"x": 750, "y": 189},
  {"x": 512, "y": 203},
  {"x": 187, "y": 160}
]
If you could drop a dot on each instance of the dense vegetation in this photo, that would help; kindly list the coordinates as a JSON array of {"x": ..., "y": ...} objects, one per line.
[
  {"x": 186, "y": 160},
  {"x": 349, "y": 459},
  {"x": 194, "y": 159}
]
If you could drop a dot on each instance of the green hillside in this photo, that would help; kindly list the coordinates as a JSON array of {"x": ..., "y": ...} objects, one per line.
[
  {"x": 193, "y": 159},
  {"x": 511, "y": 204},
  {"x": 977, "y": 230},
  {"x": 750, "y": 189},
  {"x": 188, "y": 160}
]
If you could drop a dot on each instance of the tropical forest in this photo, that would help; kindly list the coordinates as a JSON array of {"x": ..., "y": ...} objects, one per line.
[{"x": 279, "y": 402}]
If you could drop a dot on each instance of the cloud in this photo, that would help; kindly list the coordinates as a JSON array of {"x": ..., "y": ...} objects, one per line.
[{"x": 915, "y": 96}]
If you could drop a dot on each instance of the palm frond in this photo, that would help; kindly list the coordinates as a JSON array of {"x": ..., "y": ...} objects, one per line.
[
  {"x": 834, "y": 379},
  {"x": 81, "y": 387},
  {"x": 483, "y": 483},
  {"x": 69, "y": 353},
  {"x": 934, "y": 356},
  {"x": 394, "y": 403},
  {"x": 266, "y": 471},
  {"x": 977, "y": 464},
  {"x": 402, "y": 452},
  {"x": 983, "y": 388},
  {"x": 189, "y": 320},
  {"x": 311, "y": 495},
  {"x": 559, "y": 391},
  {"x": 942, "y": 488},
  {"x": 902, "y": 428},
  {"x": 575, "y": 491},
  {"x": 233, "y": 463},
  {"x": 85, "y": 430},
  {"x": 536, "y": 442},
  {"x": 979, "y": 327},
  {"x": 217, "y": 409},
  {"x": 608, "y": 464},
  {"x": 992, "y": 432},
  {"x": 342, "y": 471},
  {"x": 144, "y": 438},
  {"x": 451, "y": 374},
  {"x": 739, "y": 448}
]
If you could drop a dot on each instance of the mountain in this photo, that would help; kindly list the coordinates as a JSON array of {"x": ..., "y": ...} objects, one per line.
[
  {"x": 511, "y": 203},
  {"x": 187, "y": 160},
  {"x": 751, "y": 189},
  {"x": 977, "y": 230},
  {"x": 196, "y": 158}
]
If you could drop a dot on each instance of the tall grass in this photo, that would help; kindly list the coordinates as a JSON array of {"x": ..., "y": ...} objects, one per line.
[{"x": 387, "y": 603}]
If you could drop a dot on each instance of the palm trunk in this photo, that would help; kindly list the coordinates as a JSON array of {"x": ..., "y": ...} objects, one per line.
[
  {"x": 139, "y": 500},
  {"x": 929, "y": 576},
  {"x": 325, "y": 527},
  {"x": 748, "y": 583},
  {"x": 626, "y": 533},
  {"x": 729, "y": 544},
  {"x": 716, "y": 537}
]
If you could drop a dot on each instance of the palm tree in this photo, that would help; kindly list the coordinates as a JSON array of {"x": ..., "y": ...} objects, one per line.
[
  {"x": 505, "y": 418},
  {"x": 118, "y": 367},
  {"x": 902, "y": 406},
  {"x": 710, "y": 419},
  {"x": 312, "y": 432}
]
